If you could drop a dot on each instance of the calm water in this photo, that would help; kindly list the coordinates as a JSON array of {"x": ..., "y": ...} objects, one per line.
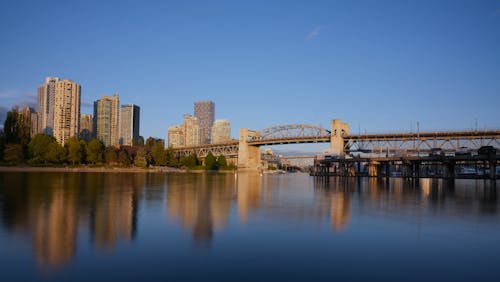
[{"x": 222, "y": 227}]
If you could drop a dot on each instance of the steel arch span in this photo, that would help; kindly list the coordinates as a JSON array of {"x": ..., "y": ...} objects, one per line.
[{"x": 290, "y": 133}]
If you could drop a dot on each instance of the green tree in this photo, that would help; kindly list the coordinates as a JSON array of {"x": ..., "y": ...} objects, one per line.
[
  {"x": 13, "y": 153},
  {"x": 39, "y": 148},
  {"x": 171, "y": 159},
  {"x": 2, "y": 144},
  {"x": 76, "y": 151},
  {"x": 159, "y": 155},
  {"x": 95, "y": 151},
  {"x": 140, "y": 158},
  {"x": 56, "y": 153},
  {"x": 11, "y": 127},
  {"x": 83, "y": 149},
  {"x": 210, "y": 162},
  {"x": 221, "y": 162},
  {"x": 189, "y": 161}
]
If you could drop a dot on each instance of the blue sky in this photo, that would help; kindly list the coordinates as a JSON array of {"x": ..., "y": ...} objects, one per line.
[{"x": 378, "y": 65}]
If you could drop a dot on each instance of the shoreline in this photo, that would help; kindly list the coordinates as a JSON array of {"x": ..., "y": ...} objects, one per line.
[
  {"x": 88, "y": 169},
  {"x": 106, "y": 169}
]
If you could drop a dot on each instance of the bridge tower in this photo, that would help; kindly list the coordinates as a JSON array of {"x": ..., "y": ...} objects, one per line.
[
  {"x": 248, "y": 156},
  {"x": 339, "y": 130}
]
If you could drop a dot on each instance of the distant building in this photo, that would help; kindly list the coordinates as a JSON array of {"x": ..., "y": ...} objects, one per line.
[
  {"x": 106, "y": 119},
  {"x": 129, "y": 124},
  {"x": 186, "y": 134},
  {"x": 175, "y": 136},
  {"x": 66, "y": 110},
  {"x": 45, "y": 105},
  {"x": 28, "y": 121},
  {"x": 191, "y": 130},
  {"x": 204, "y": 111},
  {"x": 221, "y": 131},
  {"x": 86, "y": 127}
]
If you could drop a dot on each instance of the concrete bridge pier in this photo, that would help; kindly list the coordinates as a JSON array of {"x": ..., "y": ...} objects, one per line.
[
  {"x": 248, "y": 156},
  {"x": 338, "y": 130}
]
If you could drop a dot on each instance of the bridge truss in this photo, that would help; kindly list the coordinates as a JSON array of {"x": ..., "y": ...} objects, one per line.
[
  {"x": 449, "y": 141},
  {"x": 228, "y": 149},
  {"x": 290, "y": 133}
]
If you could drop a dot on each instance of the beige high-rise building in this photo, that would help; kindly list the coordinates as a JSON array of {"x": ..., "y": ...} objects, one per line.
[
  {"x": 86, "y": 127},
  {"x": 175, "y": 136},
  {"x": 221, "y": 131},
  {"x": 66, "y": 110},
  {"x": 106, "y": 119},
  {"x": 45, "y": 105},
  {"x": 186, "y": 134},
  {"x": 191, "y": 128}
]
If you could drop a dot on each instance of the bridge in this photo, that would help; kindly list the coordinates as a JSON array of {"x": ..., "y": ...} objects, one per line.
[{"x": 247, "y": 152}]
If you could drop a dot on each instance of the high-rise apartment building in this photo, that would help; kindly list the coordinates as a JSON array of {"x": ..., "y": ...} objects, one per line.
[
  {"x": 191, "y": 129},
  {"x": 66, "y": 110},
  {"x": 221, "y": 131},
  {"x": 106, "y": 119},
  {"x": 129, "y": 124},
  {"x": 86, "y": 127},
  {"x": 45, "y": 105},
  {"x": 27, "y": 122},
  {"x": 175, "y": 136},
  {"x": 204, "y": 111},
  {"x": 186, "y": 134}
]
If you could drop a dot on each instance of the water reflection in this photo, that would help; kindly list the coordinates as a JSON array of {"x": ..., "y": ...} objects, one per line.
[
  {"x": 200, "y": 203},
  {"x": 49, "y": 208},
  {"x": 54, "y": 209}
]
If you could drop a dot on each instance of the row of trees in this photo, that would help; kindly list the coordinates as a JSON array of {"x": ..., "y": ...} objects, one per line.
[{"x": 16, "y": 147}]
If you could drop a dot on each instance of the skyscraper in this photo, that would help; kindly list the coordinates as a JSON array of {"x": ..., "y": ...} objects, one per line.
[
  {"x": 191, "y": 131},
  {"x": 186, "y": 134},
  {"x": 129, "y": 124},
  {"x": 86, "y": 127},
  {"x": 45, "y": 104},
  {"x": 106, "y": 119},
  {"x": 66, "y": 110},
  {"x": 28, "y": 121},
  {"x": 221, "y": 131},
  {"x": 204, "y": 111},
  {"x": 175, "y": 136}
]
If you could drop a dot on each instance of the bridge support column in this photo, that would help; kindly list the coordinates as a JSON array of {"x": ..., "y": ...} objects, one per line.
[
  {"x": 449, "y": 169},
  {"x": 248, "y": 156},
  {"x": 373, "y": 169},
  {"x": 339, "y": 129}
]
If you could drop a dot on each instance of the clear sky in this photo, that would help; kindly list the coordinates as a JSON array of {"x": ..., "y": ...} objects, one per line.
[{"x": 378, "y": 65}]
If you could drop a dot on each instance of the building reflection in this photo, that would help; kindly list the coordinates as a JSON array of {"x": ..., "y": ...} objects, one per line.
[
  {"x": 113, "y": 214},
  {"x": 50, "y": 208},
  {"x": 200, "y": 203},
  {"x": 54, "y": 209},
  {"x": 54, "y": 221}
]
